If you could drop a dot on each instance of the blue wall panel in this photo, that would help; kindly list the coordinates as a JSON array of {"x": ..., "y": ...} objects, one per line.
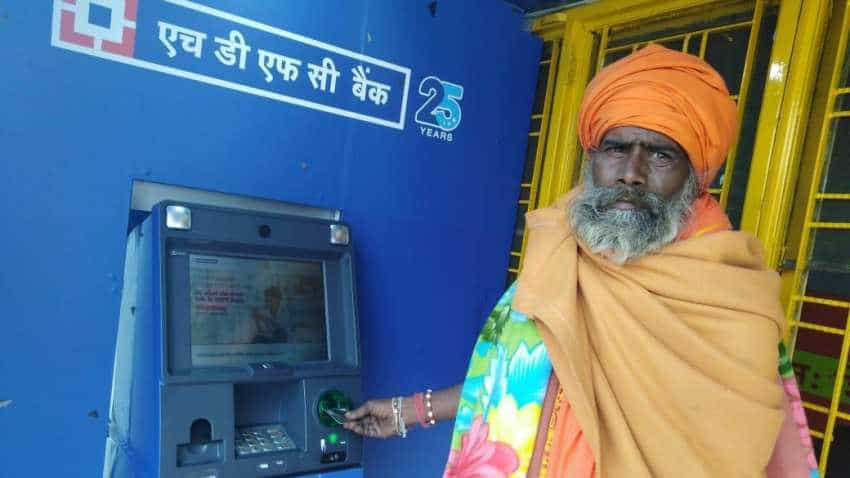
[{"x": 432, "y": 219}]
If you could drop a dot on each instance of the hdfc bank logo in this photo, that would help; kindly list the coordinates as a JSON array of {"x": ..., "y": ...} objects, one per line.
[{"x": 100, "y": 25}]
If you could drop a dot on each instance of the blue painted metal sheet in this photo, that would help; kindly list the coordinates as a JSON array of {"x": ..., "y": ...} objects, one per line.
[{"x": 431, "y": 203}]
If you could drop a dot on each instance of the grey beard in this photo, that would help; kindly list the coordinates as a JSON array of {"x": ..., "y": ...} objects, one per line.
[{"x": 627, "y": 234}]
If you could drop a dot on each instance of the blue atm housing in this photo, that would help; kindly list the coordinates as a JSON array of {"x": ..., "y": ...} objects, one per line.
[{"x": 253, "y": 411}]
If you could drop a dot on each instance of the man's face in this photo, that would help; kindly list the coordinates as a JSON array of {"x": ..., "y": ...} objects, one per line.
[
  {"x": 640, "y": 158},
  {"x": 638, "y": 190}
]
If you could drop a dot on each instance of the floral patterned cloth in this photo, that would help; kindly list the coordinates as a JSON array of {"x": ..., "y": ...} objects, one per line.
[{"x": 502, "y": 400}]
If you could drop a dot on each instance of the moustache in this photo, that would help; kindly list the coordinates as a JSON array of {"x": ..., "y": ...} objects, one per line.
[{"x": 608, "y": 196}]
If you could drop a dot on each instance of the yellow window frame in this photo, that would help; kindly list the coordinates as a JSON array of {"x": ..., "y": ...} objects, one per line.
[
  {"x": 542, "y": 133},
  {"x": 804, "y": 221}
]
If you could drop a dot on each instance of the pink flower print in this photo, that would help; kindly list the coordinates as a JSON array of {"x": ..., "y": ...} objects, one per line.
[{"x": 480, "y": 458}]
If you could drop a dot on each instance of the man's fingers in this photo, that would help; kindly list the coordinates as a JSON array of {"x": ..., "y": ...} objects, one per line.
[
  {"x": 369, "y": 425},
  {"x": 362, "y": 425},
  {"x": 356, "y": 427},
  {"x": 358, "y": 412}
]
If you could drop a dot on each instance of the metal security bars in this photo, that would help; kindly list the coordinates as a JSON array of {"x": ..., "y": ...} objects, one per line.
[
  {"x": 535, "y": 152},
  {"x": 819, "y": 304}
]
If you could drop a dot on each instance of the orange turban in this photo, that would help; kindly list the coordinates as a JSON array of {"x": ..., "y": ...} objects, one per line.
[{"x": 669, "y": 92}]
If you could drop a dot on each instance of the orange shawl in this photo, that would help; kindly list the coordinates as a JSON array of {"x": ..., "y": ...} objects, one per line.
[{"x": 669, "y": 362}]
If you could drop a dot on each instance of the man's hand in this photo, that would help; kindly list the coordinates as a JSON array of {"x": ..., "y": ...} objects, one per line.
[
  {"x": 372, "y": 419},
  {"x": 375, "y": 418}
]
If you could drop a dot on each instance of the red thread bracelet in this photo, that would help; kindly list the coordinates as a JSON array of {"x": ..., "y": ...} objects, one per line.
[{"x": 419, "y": 405}]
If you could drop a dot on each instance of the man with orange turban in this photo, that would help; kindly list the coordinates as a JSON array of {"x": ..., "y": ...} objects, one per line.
[{"x": 640, "y": 339}]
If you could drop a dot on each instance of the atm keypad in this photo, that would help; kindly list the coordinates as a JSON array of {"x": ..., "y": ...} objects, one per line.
[{"x": 262, "y": 439}]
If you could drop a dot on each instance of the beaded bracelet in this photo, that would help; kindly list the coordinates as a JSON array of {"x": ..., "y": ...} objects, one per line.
[{"x": 429, "y": 409}]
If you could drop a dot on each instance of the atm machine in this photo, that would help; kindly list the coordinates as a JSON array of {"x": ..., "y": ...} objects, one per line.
[{"x": 237, "y": 347}]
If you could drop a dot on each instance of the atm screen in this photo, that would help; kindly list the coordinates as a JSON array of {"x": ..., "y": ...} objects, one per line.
[{"x": 247, "y": 311}]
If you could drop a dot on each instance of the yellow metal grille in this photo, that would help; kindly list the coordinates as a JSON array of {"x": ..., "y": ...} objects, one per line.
[
  {"x": 819, "y": 308},
  {"x": 535, "y": 153}
]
